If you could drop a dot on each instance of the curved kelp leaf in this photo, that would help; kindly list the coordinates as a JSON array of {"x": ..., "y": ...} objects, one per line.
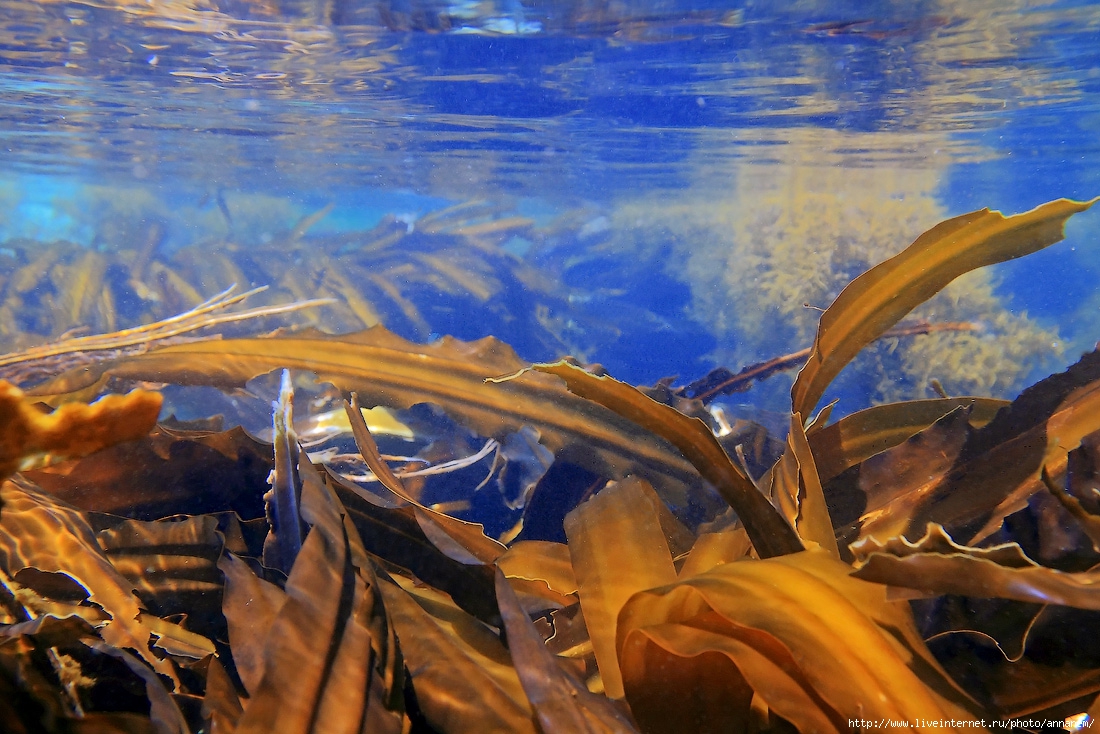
[
  {"x": 463, "y": 541},
  {"x": 936, "y": 564},
  {"x": 882, "y": 296},
  {"x": 389, "y": 371},
  {"x": 770, "y": 534},
  {"x": 618, "y": 548},
  {"x": 159, "y": 475},
  {"x": 797, "y": 633}
]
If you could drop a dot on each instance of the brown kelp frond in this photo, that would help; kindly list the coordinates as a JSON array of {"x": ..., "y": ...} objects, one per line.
[
  {"x": 35, "y": 364},
  {"x": 770, "y": 535},
  {"x": 73, "y": 430},
  {"x": 387, "y": 370}
]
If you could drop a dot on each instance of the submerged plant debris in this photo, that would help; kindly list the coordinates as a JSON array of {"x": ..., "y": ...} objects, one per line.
[{"x": 930, "y": 563}]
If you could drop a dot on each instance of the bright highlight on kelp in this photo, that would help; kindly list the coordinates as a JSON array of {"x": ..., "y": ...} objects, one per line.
[{"x": 389, "y": 615}]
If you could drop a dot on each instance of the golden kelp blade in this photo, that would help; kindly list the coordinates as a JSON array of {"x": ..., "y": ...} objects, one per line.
[
  {"x": 618, "y": 548},
  {"x": 388, "y": 370},
  {"x": 882, "y": 296},
  {"x": 71, "y": 430},
  {"x": 815, "y": 646}
]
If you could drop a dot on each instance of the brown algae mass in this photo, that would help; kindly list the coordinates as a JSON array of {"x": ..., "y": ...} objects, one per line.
[{"x": 915, "y": 562}]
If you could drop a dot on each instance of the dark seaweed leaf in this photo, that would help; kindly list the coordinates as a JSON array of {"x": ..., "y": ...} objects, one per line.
[
  {"x": 326, "y": 665},
  {"x": 935, "y": 564},
  {"x": 165, "y": 473},
  {"x": 463, "y": 676},
  {"x": 769, "y": 532},
  {"x": 563, "y": 704}
]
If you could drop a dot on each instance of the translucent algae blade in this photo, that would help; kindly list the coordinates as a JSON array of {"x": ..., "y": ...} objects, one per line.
[
  {"x": 882, "y": 296},
  {"x": 618, "y": 548}
]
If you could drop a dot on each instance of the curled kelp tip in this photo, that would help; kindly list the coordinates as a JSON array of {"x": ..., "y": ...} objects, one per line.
[{"x": 881, "y": 297}]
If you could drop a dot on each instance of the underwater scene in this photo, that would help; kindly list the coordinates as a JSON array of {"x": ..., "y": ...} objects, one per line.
[{"x": 549, "y": 366}]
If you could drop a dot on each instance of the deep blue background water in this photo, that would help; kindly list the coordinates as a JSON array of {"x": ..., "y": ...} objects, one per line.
[{"x": 555, "y": 107}]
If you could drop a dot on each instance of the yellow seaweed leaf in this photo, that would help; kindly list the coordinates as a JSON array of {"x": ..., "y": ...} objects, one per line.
[
  {"x": 617, "y": 547},
  {"x": 813, "y": 522},
  {"x": 882, "y": 296},
  {"x": 770, "y": 534},
  {"x": 72, "y": 430},
  {"x": 815, "y": 646},
  {"x": 714, "y": 549},
  {"x": 540, "y": 560}
]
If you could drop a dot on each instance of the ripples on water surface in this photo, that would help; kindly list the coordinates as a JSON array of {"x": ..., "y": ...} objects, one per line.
[{"x": 680, "y": 179}]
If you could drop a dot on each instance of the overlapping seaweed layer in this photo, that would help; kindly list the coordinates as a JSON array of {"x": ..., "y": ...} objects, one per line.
[
  {"x": 192, "y": 579},
  {"x": 763, "y": 260}
]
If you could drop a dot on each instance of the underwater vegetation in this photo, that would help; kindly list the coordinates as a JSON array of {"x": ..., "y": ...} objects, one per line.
[
  {"x": 926, "y": 563},
  {"x": 451, "y": 258},
  {"x": 768, "y": 251}
]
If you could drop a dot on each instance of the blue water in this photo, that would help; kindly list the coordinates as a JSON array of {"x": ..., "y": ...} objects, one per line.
[{"x": 569, "y": 113}]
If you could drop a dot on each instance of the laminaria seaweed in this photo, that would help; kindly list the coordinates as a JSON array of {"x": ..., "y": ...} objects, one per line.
[{"x": 927, "y": 563}]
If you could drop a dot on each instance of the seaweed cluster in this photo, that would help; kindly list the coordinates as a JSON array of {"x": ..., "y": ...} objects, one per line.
[
  {"x": 762, "y": 261},
  {"x": 913, "y": 563},
  {"x": 442, "y": 272}
]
